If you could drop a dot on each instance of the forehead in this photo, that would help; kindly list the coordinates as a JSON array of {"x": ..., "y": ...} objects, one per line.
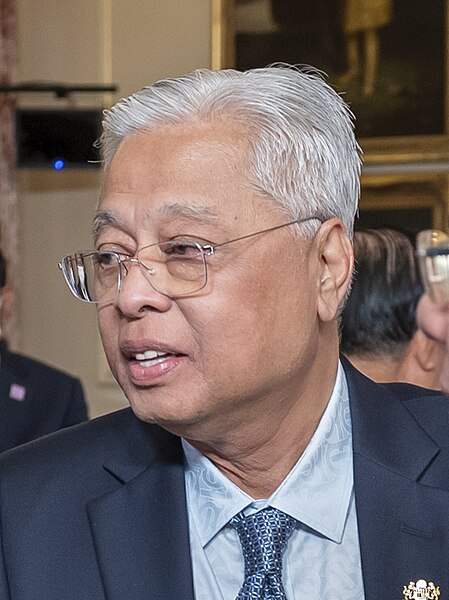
[
  {"x": 176, "y": 148},
  {"x": 197, "y": 165},
  {"x": 195, "y": 172}
]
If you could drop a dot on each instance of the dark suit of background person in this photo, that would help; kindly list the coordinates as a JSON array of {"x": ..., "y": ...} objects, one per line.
[
  {"x": 35, "y": 399},
  {"x": 379, "y": 332},
  {"x": 100, "y": 511}
]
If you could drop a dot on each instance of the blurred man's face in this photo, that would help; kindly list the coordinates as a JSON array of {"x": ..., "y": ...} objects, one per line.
[
  {"x": 245, "y": 341},
  {"x": 433, "y": 319}
]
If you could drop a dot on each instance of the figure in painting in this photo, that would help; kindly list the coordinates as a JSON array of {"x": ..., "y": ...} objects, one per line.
[
  {"x": 361, "y": 21},
  {"x": 254, "y": 17}
]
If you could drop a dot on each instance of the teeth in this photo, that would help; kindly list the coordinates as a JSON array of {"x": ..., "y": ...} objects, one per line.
[{"x": 149, "y": 355}]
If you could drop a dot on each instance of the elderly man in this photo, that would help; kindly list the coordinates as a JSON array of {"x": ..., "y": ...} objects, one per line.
[{"x": 252, "y": 463}]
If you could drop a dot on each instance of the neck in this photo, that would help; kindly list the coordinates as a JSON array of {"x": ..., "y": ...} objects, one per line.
[{"x": 380, "y": 369}]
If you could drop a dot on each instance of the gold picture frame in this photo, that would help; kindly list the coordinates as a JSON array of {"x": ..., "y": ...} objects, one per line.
[
  {"x": 420, "y": 142},
  {"x": 412, "y": 201}
]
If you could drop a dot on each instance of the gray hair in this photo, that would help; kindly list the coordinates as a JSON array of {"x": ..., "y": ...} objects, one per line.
[{"x": 304, "y": 153}]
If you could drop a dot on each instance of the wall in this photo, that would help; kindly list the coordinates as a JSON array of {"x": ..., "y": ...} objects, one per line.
[{"x": 128, "y": 42}]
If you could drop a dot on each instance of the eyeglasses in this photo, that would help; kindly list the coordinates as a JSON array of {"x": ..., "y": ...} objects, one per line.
[
  {"x": 175, "y": 268},
  {"x": 432, "y": 250}
]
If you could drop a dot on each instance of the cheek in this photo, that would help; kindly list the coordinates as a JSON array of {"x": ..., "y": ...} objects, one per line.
[
  {"x": 108, "y": 329},
  {"x": 255, "y": 316},
  {"x": 432, "y": 319}
]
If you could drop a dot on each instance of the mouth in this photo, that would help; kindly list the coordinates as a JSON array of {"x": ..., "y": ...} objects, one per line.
[
  {"x": 150, "y": 357},
  {"x": 147, "y": 363}
]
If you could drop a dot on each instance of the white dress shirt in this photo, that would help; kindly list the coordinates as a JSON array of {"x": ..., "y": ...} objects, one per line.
[{"x": 322, "y": 558}]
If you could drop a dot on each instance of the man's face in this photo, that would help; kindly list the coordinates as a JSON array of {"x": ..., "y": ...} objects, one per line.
[
  {"x": 433, "y": 320},
  {"x": 245, "y": 342}
]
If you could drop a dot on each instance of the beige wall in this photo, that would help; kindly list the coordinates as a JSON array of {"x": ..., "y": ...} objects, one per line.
[{"x": 127, "y": 42}]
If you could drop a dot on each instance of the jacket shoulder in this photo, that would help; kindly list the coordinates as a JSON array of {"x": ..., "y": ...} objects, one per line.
[
  {"x": 28, "y": 365},
  {"x": 83, "y": 449}
]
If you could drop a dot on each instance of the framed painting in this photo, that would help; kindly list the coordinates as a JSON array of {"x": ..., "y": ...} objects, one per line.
[
  {"x": 388, "y": 57},
  {"x": 411, "y": 202}
]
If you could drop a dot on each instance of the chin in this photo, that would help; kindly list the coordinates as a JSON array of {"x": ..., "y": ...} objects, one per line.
[{"x": 156, "y": 406}]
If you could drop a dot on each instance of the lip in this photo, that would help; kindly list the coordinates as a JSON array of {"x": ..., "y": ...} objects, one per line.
[
  {"x": 149, "y": 375},
  {"x": 131, "y": 347}
]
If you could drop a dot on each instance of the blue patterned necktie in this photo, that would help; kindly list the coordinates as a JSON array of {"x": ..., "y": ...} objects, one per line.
[{"x": 263, "y": 536}]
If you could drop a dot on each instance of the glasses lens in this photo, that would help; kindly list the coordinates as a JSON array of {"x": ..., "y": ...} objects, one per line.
[
  {"x": 432, "y": 248},
  {"x": 92, "y": 276},
  {"x": 175, "y": 268}
]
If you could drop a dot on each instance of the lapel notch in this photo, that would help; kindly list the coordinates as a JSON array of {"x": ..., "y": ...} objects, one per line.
[{"x": 141, "y": 532}]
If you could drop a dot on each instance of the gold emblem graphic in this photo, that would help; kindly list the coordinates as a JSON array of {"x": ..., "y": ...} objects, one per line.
[{"x": 421, "y": 590}]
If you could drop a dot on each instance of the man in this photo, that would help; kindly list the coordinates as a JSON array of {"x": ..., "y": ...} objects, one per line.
[
  {"x": 35, "y": 399},
  {"x": 433, "y": 308},
  {"x": 252, "y": 464},
  {"x": 379, "y": 333}
]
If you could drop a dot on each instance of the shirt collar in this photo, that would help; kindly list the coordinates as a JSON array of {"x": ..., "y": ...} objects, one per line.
[{"x": 316, "y": 492}]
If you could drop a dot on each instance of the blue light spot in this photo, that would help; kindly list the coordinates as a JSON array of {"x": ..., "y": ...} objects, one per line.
[{"x": 58, "y": 164}]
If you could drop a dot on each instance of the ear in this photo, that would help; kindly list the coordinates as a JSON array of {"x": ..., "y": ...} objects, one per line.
[
  {"x": 336, "y": 262},
  {"x": 427, "y": 351}
]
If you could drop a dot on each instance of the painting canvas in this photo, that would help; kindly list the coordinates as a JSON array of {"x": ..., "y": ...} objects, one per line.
[{"x": 388, "y": 57}]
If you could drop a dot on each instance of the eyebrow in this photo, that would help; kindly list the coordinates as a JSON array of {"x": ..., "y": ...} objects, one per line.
[
  {"x": 200, "y": 214},
  {"x": 102, "y": 220}
]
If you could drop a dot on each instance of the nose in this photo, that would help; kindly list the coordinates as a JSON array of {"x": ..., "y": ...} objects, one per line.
[{"x": 137, "y": 295}]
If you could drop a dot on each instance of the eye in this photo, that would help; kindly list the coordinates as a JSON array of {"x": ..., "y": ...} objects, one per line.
[
  {"x": 182, "y": 248},
  {"x": 105, "y": 259}
]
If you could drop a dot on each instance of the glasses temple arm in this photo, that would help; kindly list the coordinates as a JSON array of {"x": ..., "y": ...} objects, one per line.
[{"x": 209, "y": 249}]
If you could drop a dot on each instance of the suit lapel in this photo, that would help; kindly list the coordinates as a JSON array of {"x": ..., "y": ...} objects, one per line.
[
  {"x": 141, "y": 533},
  {"x": 402, "y": 520}
]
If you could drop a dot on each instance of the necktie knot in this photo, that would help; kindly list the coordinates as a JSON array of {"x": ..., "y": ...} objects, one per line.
[{"x": 263, "y": 537}]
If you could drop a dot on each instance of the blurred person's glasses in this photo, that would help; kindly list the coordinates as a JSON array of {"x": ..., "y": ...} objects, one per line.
[
  {"x": 432, "y": 250},
  {"x": 175, "y": 268}
]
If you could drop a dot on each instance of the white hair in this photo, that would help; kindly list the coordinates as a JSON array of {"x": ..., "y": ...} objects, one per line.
[{"x": 304, "y": 153}]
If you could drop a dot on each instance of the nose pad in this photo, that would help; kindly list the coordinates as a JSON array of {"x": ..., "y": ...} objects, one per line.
[
  {"x": 149, "y": 274},
  {"x": 137, "y": 292}
]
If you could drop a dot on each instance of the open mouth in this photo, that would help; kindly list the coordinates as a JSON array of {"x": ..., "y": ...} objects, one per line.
[{"x": 150, "y": 358}]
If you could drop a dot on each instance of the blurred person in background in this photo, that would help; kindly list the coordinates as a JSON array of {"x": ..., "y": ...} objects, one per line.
[
  {"x": 433, "y": 308},
  {"x": 35, "y": 399},
  {"x": 379, "y": 333}
]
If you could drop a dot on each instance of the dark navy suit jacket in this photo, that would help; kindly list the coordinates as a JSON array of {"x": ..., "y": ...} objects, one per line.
[
  {"x": 35, "y": 399},
  {"x": 99, "y": 512}
]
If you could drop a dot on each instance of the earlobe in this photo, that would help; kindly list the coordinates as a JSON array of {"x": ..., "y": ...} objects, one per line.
[{"x": 336, "y": 262}]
